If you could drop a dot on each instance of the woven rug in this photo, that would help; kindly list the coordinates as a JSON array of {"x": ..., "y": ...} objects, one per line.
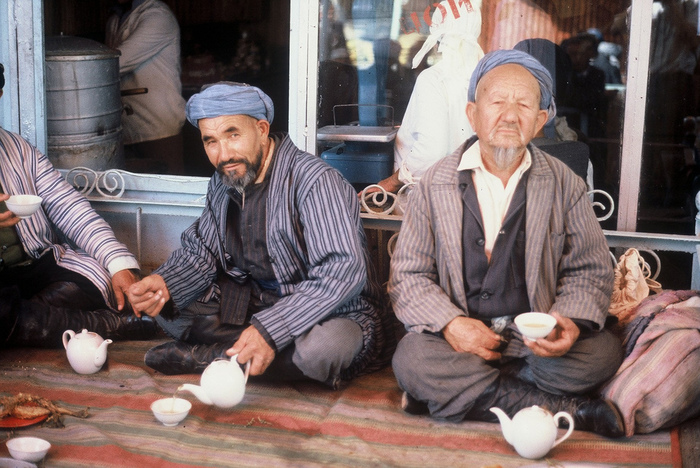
[{"x": 298, "y": 425}]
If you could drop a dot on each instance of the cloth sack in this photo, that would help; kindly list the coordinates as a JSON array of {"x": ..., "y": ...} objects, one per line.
[
  {"x": 631, "y": 285},
  {"x": 657, "y": 385}
]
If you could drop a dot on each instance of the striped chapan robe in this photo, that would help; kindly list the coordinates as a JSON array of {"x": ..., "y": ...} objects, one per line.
[
  {"x": 316, "y": 245},
  {"x": 66, "y": 224}
]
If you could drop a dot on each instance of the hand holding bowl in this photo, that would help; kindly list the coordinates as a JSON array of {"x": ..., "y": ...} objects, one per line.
[
  {"x": 23, "y": 206},
  {"x": 534, "y": 325}
]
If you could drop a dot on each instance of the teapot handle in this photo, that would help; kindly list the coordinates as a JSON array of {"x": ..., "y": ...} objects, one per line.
[
  {"x": 246, "y": 372},
  {"x": 66, "y": 334},
  {"x": 567, "y": 416}
]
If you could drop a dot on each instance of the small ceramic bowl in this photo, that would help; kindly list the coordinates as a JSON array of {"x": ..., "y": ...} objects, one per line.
[
  {"x": 23, "y": 206},
  {"x": 170, "y": 411},
  {"x": 31, "y": 449},
  {"x": 534, "y": 325}
]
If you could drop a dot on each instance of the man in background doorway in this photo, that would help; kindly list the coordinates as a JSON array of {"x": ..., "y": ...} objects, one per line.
[{"x": 148, "y": 37}]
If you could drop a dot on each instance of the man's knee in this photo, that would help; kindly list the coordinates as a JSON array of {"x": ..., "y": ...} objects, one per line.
[
  {"x": 591, "y": 362},
  {"x": 69, "y": 294},
  {"x": 328, "y": 348},
  {"x": 407, "y": 357}
]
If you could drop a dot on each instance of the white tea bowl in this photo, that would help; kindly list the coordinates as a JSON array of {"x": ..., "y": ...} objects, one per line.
[
  {"x": 170, "y": 411},
  {"x": 31, "y": 449},
  {"x": 534, "y": 325},
  {"x": 23, "y": 206}
]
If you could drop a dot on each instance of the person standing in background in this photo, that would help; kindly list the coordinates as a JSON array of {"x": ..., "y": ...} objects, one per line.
[
  {"x": 148, "y": 36},
  {"x": 435, "y": 123}
]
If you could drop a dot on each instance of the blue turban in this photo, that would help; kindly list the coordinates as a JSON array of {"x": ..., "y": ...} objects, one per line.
[
  {"x": 229, "y": 98},
  {"x": 518, "y": 57}
]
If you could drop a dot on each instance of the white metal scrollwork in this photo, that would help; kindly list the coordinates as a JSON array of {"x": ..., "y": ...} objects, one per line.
[
  {"x": 607, "y": 210},
  {"x": 109, "y": 184},
  {"x": 376, "y": 200}
]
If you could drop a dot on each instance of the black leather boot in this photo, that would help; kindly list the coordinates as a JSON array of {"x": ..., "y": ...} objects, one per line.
[
  {"x": 42, "y": 326},
  {"x": 178, "y": 357},
  {"x": 511, "y": 395},
  {"x": 208, "y": 329}
]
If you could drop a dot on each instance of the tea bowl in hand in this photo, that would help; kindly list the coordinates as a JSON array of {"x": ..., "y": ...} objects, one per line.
[
  {"x": 31, "y": 449},
  {"x": 534, "y": 325},
  {"x": 170, "y": 411},
  {"x": 23, "y": 206}
]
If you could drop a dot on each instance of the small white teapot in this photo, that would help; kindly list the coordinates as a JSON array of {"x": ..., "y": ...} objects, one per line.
[
  {"x": 533, "y": 430},
  {"x": 222, "y": 383},
  {"x": 86, "y": 351}
]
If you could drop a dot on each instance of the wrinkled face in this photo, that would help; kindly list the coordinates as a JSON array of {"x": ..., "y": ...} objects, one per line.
[
  {"x": 235, "y": 145},
  {"x": 506, "y": 114}
]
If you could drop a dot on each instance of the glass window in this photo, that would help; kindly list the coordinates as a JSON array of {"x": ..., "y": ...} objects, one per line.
[
  {"x": 414, "y": 58},
  {"x": 670, "y": 176}
]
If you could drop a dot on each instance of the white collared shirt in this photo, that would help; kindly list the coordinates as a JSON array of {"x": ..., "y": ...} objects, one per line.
[{"x": 493, "y": 197}]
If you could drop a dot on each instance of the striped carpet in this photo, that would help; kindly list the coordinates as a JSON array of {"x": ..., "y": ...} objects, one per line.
[{"x": 297, "y": 425}]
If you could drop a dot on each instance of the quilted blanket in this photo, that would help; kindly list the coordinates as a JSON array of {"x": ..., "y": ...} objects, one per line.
[{"x": 295, "y": 425}]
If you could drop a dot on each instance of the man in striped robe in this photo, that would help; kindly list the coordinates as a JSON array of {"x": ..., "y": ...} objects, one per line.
[
  {"x": 62, "y": 268},
  {"x": 276, "y": 269}
]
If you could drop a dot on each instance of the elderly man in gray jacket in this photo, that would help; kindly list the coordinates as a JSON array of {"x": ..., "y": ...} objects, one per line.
[{"x": 497, "y": 229}]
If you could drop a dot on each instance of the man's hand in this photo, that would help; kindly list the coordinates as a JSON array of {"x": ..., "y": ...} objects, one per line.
[
  {"x": 7, "y": 218},
  {"x": 468, "y": 335},
  {"x": 148, "y": 296},
  {"x": 558, "y": 342},
  {"x": 251, "y": 346},
  {"x": 120, "y": 283}
]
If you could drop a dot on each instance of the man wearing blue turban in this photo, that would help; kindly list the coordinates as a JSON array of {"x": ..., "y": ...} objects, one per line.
[
  {"x": 276, "y": 269},
  {"x": 497, "y": 229}
]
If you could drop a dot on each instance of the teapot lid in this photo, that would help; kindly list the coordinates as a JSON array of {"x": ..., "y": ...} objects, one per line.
[{"x": 85, "y": 334}]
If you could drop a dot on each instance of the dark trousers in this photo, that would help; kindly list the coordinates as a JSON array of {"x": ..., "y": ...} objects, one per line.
[
  {"x": 44, "y": 281},
  {"x": 429, "y": 369}
]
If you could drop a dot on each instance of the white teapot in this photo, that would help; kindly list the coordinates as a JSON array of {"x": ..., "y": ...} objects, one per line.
[
  {"x": 222, "y": 383},
  {"x": 86, "y": 351},
  {"x": 533, "y": 431}
]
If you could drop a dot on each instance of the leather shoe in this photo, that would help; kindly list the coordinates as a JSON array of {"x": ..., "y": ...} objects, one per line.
[
  {"x": 412, "y": 406},
  {"x": 178, "y": 357},
  {"x": 599, "y": 416}
]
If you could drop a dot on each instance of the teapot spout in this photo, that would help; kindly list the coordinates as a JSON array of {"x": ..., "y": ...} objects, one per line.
[
  {"x": 506, "y": 424},
  {"x": 101, "y": 353},
  {"x": 197, "y": 391}
]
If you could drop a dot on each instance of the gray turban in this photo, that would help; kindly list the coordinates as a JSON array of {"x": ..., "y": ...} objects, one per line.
[
  {"x": 229, "y": 98},
  {"x": 518, "y": 57}
]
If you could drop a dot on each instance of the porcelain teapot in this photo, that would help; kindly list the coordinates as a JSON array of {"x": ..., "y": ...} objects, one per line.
[
  {"x": 222, "y": 383},
  {"x": 533, "y": 431},
  {"x": 86, "y": 351}
]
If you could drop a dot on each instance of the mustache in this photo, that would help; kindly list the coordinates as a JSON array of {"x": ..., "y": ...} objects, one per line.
[
  {"x": 508, "y": 126},
  {"x": 222, "y": 164}
]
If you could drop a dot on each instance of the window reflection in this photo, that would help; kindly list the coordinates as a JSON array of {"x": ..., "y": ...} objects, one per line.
[
  {"x": 367, "y": 50},
  {"x": 670, "y": 174}
]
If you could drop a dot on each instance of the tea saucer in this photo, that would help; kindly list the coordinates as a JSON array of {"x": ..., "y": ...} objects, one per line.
[
  {"x": 12, "y": 463},
  {"x": 13, "y": 422}
]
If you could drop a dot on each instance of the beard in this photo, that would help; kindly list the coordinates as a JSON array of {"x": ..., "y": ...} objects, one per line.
[
  {"x": 240, "y": 182},
  {"x": 504, "y": 157},
  {"x": 506, "y": 150}
]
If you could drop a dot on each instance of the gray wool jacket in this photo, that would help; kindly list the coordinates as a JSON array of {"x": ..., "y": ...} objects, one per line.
[{"x": 568, "y": 267}]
